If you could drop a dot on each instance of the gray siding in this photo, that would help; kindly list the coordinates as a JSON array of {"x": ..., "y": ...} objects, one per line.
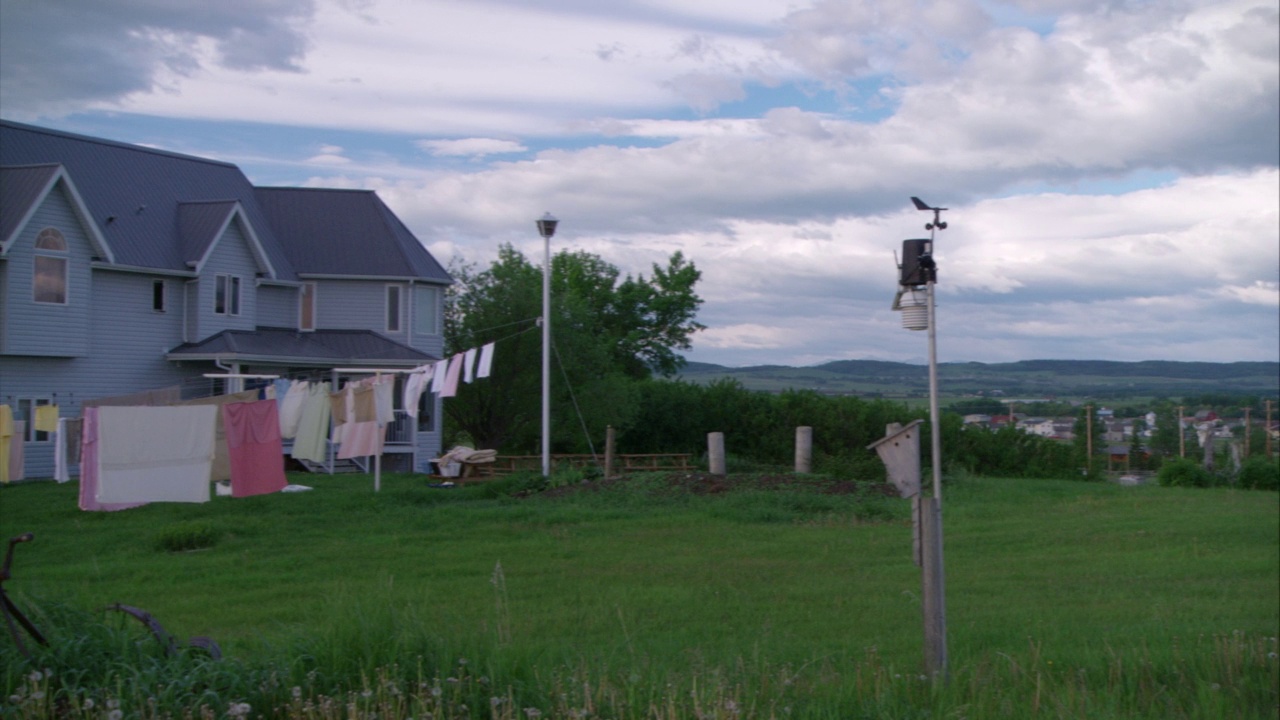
[
  {"x": 47, "y": 329},
  {"x": 127, "y": 341},
  {"x": 277, "y": 306},
  {"x": 231, "y": 256},
  {"x": 346, "y": 304}
]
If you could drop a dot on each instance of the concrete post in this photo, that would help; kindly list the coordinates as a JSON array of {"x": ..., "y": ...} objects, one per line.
[
  {"x": 804, "y": 449},
  {"x": 715, "y": 452}
]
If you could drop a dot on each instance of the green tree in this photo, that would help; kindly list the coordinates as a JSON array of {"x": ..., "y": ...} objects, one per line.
[{"x": 607, "y": 333}]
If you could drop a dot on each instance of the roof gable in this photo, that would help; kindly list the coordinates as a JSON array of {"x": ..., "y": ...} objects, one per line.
[
  {"x": 24, "y": 188},
  {"x": 131, "y": 194},
  {"x": 201, "y": 225}
]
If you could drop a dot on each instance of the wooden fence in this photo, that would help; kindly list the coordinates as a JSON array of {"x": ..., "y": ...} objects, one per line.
[{"x": 508, "y": 464}]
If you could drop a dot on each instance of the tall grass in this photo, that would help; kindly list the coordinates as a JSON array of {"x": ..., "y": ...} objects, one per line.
[{"x": 639, "y": 600}]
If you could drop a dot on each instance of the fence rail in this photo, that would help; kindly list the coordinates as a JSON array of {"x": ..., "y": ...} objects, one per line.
[{"x": 508, "y": 464}]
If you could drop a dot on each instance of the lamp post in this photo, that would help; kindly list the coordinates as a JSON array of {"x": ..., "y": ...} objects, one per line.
[{"x": 546, "y": 228}]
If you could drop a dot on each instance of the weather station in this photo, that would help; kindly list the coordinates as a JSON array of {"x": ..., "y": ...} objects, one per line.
[{"x": 899, "y": 449}]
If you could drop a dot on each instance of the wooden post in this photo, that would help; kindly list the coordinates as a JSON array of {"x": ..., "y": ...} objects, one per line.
[
  {"x": 1088, "y": 434},
  {"x": 804, "y": 449},
  {"x": 715, "y": 453},
  {"x": 933, "y": 581},
  {"x": 608, "y": 451},
  {"x": 1268, "y": 429},
  {"x": 1246, "y": 433},
  {"x": 1182, "y": 435}
]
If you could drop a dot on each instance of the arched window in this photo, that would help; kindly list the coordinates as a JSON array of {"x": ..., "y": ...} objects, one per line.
[{"x": 49, "y": 268}]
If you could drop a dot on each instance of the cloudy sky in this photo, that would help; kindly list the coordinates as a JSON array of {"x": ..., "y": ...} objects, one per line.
[{"x": 1112, "y": 168}]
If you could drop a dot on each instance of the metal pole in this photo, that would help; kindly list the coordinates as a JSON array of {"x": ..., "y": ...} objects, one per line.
[
  {"x": 546, "y": 357},
  {"x": 935, "y": 424}
]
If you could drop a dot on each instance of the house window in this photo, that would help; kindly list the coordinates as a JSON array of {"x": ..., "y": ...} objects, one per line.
[
  {"x": 426, "y": 405},
  {"x": 27, "y": 412},
  {"x": 424, "y": 310},
  {"x": 393, "y": 308},
  {"x": 158, "y": 293},
  {"x": 307, "y": 307},
  {"x": 49, "y": 268},
  {"x": 226, "y": 295}
]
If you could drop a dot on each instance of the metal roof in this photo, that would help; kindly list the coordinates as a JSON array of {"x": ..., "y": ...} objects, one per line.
[
  {"x": 320, "y": 227},
  {"x": 20, "y": 187},
  {"x": 134, "y": 195},
  {"x": 284, "y": 346}
]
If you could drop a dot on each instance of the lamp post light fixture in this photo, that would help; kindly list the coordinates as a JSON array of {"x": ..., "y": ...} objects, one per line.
[{"x": 546, "y": 228}]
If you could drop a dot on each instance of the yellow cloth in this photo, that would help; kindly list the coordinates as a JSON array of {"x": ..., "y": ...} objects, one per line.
[
  {"x": 6, "y": 432},
  {"x": 47, "y": 418}
]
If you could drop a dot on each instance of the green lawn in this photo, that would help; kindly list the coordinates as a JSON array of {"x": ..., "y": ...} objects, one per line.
[{"x": 640, "y": 601}]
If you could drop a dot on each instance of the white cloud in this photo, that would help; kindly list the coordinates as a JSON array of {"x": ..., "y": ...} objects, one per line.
[{"x": 471, "y": 147}]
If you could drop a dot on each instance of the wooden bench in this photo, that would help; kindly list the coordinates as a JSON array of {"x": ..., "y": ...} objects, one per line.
[{"x": 652, "y": 462}]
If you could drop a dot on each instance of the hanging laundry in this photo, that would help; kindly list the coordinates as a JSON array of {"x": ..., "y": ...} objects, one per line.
[
  {"x": 469, "y": 362},
  {"x": 46, "y": 418},
  {"x": 17, "y": 445},
  {"x": 73, "y": 427},
  {"x": 89, "y": 466},
  {"x": 6, "y": 434},
  {"x": 384, "y": 390},
  {"x": 455, "y": 372},
  {"x": 486, "y": 361},
  {"x": 60, "y": 472},
  {"x": 441, "y": 375},
  {"x": 414, "y": 386},
  {"x": 313, "y": 425},
  {"x": 291, "y": 407},
  {"x": 254, "y": 445},
  {"x": 155, "y": 454},
  {"x": 221, "y": 460}
]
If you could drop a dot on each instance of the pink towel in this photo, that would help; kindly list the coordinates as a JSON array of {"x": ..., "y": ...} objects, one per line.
[{"x": 254, "y": 447}]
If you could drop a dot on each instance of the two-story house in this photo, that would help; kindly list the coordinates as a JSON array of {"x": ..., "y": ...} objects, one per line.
[{"x": 125, "y": 269}]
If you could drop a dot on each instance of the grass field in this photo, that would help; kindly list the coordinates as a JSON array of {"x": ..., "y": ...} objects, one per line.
[{"x": 642, "y": 599}]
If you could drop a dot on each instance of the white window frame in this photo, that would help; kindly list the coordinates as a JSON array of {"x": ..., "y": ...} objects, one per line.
[
  {"x": 26, "y": 408},
  {"x": 426, "y": 323},
  {"x": 51, "y": 247},
  {"x": 228, "y": 286}
]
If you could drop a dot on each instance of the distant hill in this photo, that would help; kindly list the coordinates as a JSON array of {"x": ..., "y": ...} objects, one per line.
[{"x": 1029, "y": 378}]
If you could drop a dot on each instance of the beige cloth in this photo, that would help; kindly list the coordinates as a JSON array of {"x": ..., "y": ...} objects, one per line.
[{"x": 221, "y": 454}]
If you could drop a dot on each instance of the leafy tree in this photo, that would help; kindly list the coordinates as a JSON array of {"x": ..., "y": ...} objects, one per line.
[{"x": 607, "y": 333}]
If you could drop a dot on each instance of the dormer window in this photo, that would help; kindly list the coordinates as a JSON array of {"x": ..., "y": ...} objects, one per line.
[
  {"x": 226, "y": 295},
  {"x": 49, "y": 268}
]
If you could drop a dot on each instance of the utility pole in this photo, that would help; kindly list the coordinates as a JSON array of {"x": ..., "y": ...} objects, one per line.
[{"x": 1088, "y": 424}]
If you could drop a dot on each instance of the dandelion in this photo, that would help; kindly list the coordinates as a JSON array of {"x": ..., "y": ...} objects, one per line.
[
  {"x": 35, "y": 676},
  {"x": 297, "y": 692},
  {"x": 115, "y": 714},
  {"x": 1216, "y": 686},
  {"x": 532, "y": 712},
  {"x": 88, "y": 703},
  {"x": 37, "y": 695}
]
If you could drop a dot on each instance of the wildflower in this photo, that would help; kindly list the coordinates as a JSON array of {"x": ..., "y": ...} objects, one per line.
[
  {"x": 532, "y": 712},
  {"x": 37, "y": 695},
  {"x": 115, "y": 714},
  {"x": 1216, "y": 686},
  {"x": 495, "y": 701},
  {"x": 462, "y": 661},
  {"x": 35, "y": 676},
  {"x": 15, "y": 699},
  {"x": 297, "y": 692},
  {"x": 366, "y": 693},
  {"x": 88, "y": 703}
]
